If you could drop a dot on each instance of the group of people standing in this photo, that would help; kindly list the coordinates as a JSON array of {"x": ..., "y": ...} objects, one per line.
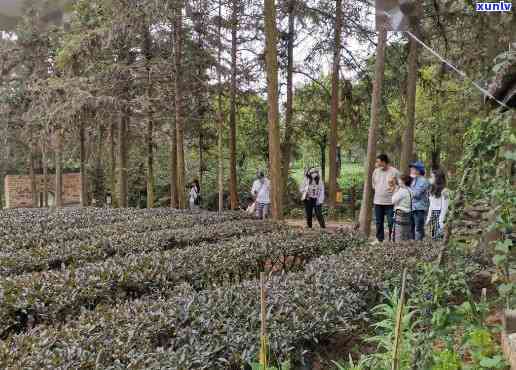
[
  {"x": 408, "y": 201},
  {"x": 312, "y": 195}
]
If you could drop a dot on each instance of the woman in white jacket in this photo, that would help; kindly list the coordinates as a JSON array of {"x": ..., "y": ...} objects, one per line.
[
  {"x": 195, "y": 195},
  {"x": 312, "y": 194},
  {"x": 402, "y": 201},
  {"x": 439, "y": 202}
]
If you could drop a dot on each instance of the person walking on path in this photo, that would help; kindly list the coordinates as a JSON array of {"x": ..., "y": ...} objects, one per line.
[
  {"x": 261, "y": 192},
  {"x": 383, "y": 176},
  {"x": 402, "y": 201},
  {"x": 194, "y": 197},
  {"x": 312, "y": 194},
  {"x": 420, "y": 202},
  {"x": 439, "y": 202}
]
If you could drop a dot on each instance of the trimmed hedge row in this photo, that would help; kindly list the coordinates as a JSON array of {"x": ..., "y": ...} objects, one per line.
[
  {"x": 53, "y": 296},
  {"x": 17, "y": 236},
  {"x": 212, "y": 328},
  {"x": 55, "y": 256},
  {"x": 15, "y": 221}
]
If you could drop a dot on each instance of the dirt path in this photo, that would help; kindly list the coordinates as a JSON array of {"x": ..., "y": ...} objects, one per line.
[{"x": 330, "y": 225}]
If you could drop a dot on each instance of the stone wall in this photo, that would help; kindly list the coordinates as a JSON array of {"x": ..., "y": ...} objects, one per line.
[{"x": 18, "y": 190}]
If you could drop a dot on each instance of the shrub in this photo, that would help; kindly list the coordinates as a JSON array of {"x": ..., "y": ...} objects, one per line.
[
  {"x": 56, "y": 295},
  {"x": 102, "y": 245},
  {"x": 212, "y": 328}
]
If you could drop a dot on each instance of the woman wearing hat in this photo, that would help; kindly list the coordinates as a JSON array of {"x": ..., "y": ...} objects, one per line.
[
  {"x": 420, "y": 200},
  {"x": 312, "y": 194}
]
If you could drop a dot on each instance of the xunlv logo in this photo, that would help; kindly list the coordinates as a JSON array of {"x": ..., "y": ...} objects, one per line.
[{"x": 502, "y": 6}]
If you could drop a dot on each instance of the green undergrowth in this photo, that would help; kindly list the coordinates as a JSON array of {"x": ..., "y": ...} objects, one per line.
[{"x": 446, "y": 322}]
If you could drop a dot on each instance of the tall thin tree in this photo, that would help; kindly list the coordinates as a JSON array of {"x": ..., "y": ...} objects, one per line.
[
  {"x": 335, "y": 104},
  {"x": 289, "y": 111},
  {"x": 178, "y": 62},
  {"x": 123, "y": 124},
  {"x": 233, "y": 196},
  {"x": 407, "y": 146},
  {"x": 82, "y": 139},
  {"x": 44, "y": 164},
  {"x": 59, "y": 166},
  {"x": 112, "y": 163},
  {"x": 366, "y": 207},
  {"x": 32, "y": 173},
  {"x": 220, "y": 115},
  {"x": 147, "y": 46},
  {"x": 271, "y": 58}
]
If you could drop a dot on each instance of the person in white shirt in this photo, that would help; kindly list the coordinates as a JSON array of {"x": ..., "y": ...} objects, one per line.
[
  {"x": 261, "y": 192},
  {"x": 312, "y": 194},
  {"x": 439, "y": 202},
  {"x": 194, "y": 196},
  {"x": 402, "y": 202},
  {"x": 382, "y": 176}
]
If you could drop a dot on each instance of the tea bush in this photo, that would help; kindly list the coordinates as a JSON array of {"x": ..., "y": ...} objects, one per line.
[
  {"x": 210, "y": 328},
  {"x": 104, "y": 245},
  {"x": 55, "y": 295}
]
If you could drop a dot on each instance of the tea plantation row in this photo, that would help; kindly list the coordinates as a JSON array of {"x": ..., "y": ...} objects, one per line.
[
  {"x": 211, "y": 328},
  {"x": 173, "y": 289}
]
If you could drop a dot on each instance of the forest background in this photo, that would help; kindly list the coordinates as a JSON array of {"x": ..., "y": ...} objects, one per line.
[{"x": 144, "y": 96}]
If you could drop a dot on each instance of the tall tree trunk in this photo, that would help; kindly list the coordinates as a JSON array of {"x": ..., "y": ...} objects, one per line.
[
  {"x": 335, "y": 106},
  {"x": 271, "y": 41},
  {"x": 435, "y": 153},
  {"x": 32, "y": 175},
  {"x": 45, "y": 169},
  {"x": 99, "y": 188},
  {"x": 233, "y": 196},
  {"x": 178, "y": 32},
  {"x": 150, "y": 165},
  {"x": 59, "y": 169},
  {"x": 407, "y": 148},
  {"x": 174, "y": 202},
  {"x": 201, "y": 154},
  {"x": 201, "y": 109},
  {"x": 112, "y": 172},
  {"x": 366, "y": 207},
  {"x": 220, "y": 116},
  {"x": 82, "y": 138},
  {"x": 122, "y": 159},
  {"x": 287, "y": 139},
  {"x": 322, "y": 147},
  {"x": 147, "y": 51}
]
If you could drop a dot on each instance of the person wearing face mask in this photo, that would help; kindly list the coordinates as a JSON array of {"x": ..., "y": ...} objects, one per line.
[
  {"x": 402, "y": 200},
  {"x": 420, "y": 202},
  {"x": 384, "y": 177},
  {"x": 261, "y": 192},
  {"x": 312, "y": 194},
  {"x": 439, "y": 202}
]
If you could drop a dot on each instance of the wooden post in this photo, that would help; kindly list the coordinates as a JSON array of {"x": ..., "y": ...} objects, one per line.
[
  {"x": 509, "y": 328},
  {"x": 263, "y": 329},
  {"x": 398, "y": 329}
]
